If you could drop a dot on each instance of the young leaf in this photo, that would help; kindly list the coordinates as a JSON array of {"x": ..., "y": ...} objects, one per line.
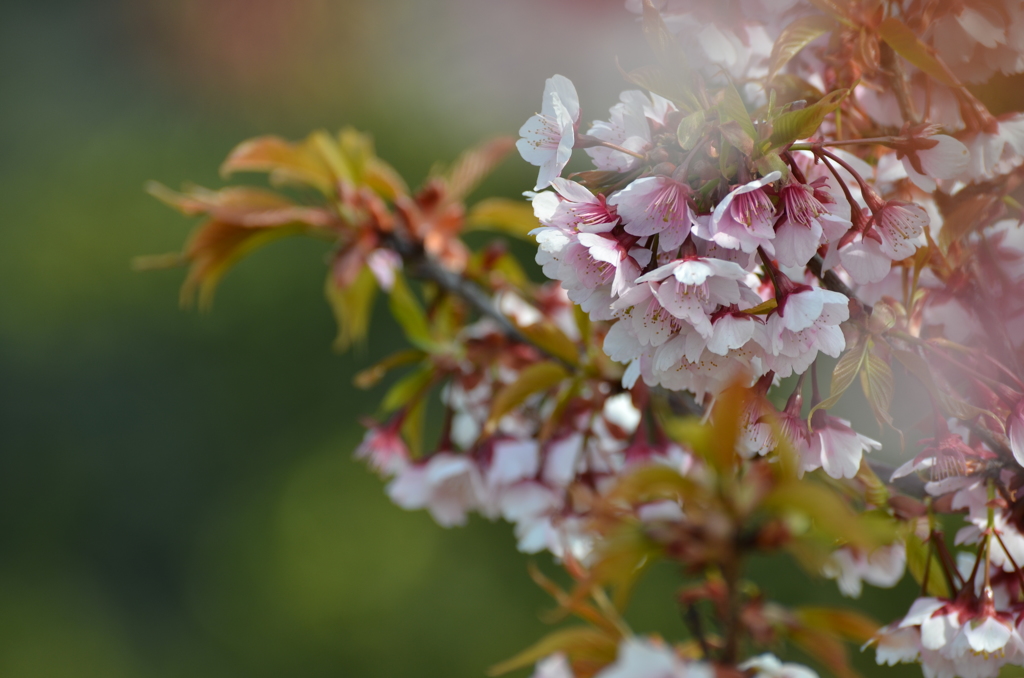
[
  {"x": 547, "y": 336},
  {"x": 369, "y": 377},
  {"x": 905, "y": 42},
  {"x": 474, "y": 165},
  {"x": 826, "y": 648},
  {"x": 845, "y": 624},
  {"x": 583, "y": 642},
  {"x": 412, "y": 427},
  {"x": 732, "y": 108},
  {"x": 764, "y": 308},
  {"x": 342, "y": 168},
  {"x": 407, "y": 311},
  {"x": 240, "y": 206},
  {"x": 803, "y": 123},
  {"x": 513, "y": 217},
  {"x": 538, "y": 377},
  {"x": 842, "y": 376},
  {"x": 352, "y": 306},
  {"x": 690, "y": 130},
  {"x": 795, "y": 37},
  {"x": 286, "y": 162},
  {"x": 733, "y": 132},
  {"x": 408, "y": 389},
  {"x": 215, "y": 247},
  {"x": 831, "y": 515},
  {"x": 878, "y": 384}
]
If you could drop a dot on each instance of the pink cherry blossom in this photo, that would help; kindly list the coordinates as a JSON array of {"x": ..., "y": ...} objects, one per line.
[
  {"x": 627, "y": 127},
  {"x": 549, "y": 136},
  {"x": 884, "y": 567},
  {"x": 837, "y": 448},
  {"x": 744, "y": 219},
  {"x": 769, "y": 666},
  {"x": 900, "y": 225},
  {"x": 807, "y": 223},
  {"x": 641, "y": 658},
  {"x": 656, "y": 205},
  {"x": 1015, "y": 429},
  {"x": 555, "y": 666},
  {"x": 942, "y": 157},
  {"x": 384, "y": 448},
  {"x": 449, "y": 486}
]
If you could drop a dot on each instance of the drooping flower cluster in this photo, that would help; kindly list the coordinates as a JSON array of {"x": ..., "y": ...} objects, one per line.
[{"x": 509, "y": 466}]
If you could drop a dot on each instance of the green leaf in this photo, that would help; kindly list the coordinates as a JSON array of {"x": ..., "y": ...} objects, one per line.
[
  {"x": 583, "y": 642},
  {"x": 732, "y": 108},
  {"x": 548, "y": 337},
  {"x": 501, "y": 215},
  {"x": 690, "y": 130},
  {"x": 842, "y": 376},
  {"x": 412, "y": 427},
  {"x": 918, "y": 562},
  {"x": 623, "y": 557},
  {"x": 803, "y": 123},
  {"x": 846, "y": 624},
  {"x": 878, "y": 384},
  {"x": 369, "y": 377},
  {"x": 410, "y": 316},
  {"x": 352, "y": 307},
  {"x": 538, "y": 377},
  {"x": 795, "y": 37},
  {"x": 827, "y": 510},
  {"x": 409, "y": 388},
  {"x": 763, "y": 308},
  {"x": 883, "y": 317},
  {"x": 330, "y": 151},
  {"x": 733, "y": 132},
  {"x": 905, "y": 42},
  {"x": 771, "y": 162}
]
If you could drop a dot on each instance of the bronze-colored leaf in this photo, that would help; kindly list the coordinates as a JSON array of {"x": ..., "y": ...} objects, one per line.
[{"x": 286, "y": 162}]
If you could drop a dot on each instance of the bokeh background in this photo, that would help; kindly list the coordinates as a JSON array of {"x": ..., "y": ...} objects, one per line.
[{"x": 177, "y": 494}]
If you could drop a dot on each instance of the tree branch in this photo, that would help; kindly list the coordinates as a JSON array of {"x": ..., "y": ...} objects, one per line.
[{"x": 422, "y": 267}]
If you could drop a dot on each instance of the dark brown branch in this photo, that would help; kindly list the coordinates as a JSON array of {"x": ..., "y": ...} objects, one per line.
[
  {"x": 422, "y": 267},
  {"x": 829, "y": 279}
]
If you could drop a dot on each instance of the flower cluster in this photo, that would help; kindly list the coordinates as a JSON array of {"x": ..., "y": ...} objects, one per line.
[{"x": 790, "y": 183}]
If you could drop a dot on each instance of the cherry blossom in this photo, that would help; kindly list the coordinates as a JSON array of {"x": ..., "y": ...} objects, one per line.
[
  {"x": 641, "y": 658},
  {"x": 549, "y": 136},
  {"x": 656, "y": 205},
  {"x": 769, "y": 666},
  {"x": 744, "y": 218},
  {"x": 938, "y": 156}
]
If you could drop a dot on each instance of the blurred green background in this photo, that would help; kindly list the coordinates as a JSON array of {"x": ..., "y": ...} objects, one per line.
[{"x": 177, "y": 495}]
